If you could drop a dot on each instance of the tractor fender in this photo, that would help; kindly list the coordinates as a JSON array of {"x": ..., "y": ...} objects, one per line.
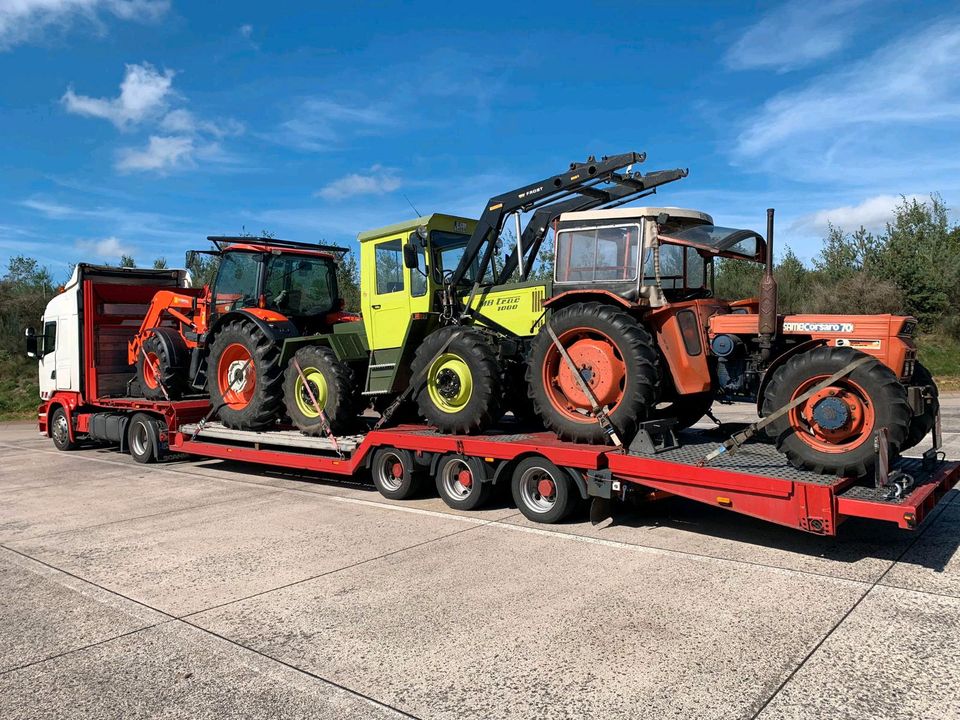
[
  {"x": 277, "y": 330},
  {"x": 780, "y": 360},
  {"x": 173, "y": 344},
  {"x": 572, "y": 296}
]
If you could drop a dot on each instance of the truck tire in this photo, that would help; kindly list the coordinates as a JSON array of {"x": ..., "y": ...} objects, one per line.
[
  {"x": 461, "y": 389},
  {"x": 832, "y": 432},
  {"x": 619, "y": 359},
  {"x": 461, "y": 482},
  {"x": 60, "y": 430},
  {"x": 394, "y": 473},
  {"x": 922, "y": 424},
  {"x": 244, "y": 378},
  {"x": 332, "y": 385},
  {"x": 142, "y": 438},
  {"x": 543, "y": 492},
  {"x": 156, "y": 367}
]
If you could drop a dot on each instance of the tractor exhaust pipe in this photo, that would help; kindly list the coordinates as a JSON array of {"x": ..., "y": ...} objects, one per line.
[{"x": 767, "y": 322}]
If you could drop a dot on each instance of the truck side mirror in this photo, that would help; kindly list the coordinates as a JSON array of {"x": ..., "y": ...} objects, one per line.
[
  {"x": 411, "y": 261},
  {"x": 31, "y": 342}
]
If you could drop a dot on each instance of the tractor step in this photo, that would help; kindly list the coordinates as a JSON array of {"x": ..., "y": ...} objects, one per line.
[{"x": 383, "y": 366}]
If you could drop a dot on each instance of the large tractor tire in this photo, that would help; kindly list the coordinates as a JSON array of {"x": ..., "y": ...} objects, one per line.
[
  {"x": 687, "y": 410},
  {"x": 460, "y": 389},
  {"x": 616, "y": 357},
  {"x": 922, "y": 424},
  {"x": 330, "y": 383},
  {"x": 244, "y": 378},
  {"x": 157, "y": 371},
  {"x": 833, "y": 431}
]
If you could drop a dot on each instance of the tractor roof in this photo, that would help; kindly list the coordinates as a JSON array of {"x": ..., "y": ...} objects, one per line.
[
  {"x": 411, "y": 225},
  {"x": 267, "y": 244},
  {"x": 635, "y": 212}
]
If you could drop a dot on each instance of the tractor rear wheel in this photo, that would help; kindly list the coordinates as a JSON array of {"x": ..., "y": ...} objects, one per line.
[
  {"x": 833, "y": 431},
  {"x": 244, "y": 378},
  {"x": 461, "y": 387},
  {"x": 616, "y": 357},
  {"x": 156, "y": 371},
  {"x": 330, "y": 383},
  {"x": 923, "y": 423}
]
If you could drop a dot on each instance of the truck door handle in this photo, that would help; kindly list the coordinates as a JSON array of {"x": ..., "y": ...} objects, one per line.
[
  {"x": 53, "y": 374},
  {"x": 374, "y": 307}
]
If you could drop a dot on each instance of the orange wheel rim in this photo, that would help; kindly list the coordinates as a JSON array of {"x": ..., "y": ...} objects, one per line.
[
  {"x": 236, "y": 376},
  {"x": 150, "y": 364},
  {"x": 837, "y": 419},
  {"x": 600, "y": 364}
]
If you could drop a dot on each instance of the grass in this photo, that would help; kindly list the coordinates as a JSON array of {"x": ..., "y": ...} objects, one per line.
[{"x": 941, "y": 355}]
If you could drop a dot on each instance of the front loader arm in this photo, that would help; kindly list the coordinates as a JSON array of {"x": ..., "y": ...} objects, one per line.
[{"x": 175, "y": 304}]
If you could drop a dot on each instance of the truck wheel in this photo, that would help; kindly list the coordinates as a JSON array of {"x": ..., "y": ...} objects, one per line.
[
  {"x": 461, "y": 482},
  {"x": 141, "y": 438},
  {"x": 832, "y": 432},
  {"x": 461, "y": 389},
  {"x": 922, "y": 424},
  {"x": 686, "y": 409},
  {"x": 543, "y": 492},
  {"x": 331, "y": 384},
  {"x": 616, "y": 357},
  {"x": 394, "y": 473},
  {"x": 155, "y": 367},
  {"x": 60, "y": 430},
  {"x": 244, "y": 380}
]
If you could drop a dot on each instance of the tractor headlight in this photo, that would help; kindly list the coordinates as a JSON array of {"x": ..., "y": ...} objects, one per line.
[{"x": 906, "y": 330}]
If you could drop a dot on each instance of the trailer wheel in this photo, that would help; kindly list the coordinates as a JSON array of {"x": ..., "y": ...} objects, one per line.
[
  {"x": 542, "y": 491},
  {"x": 156, "y": 372},
  {"x": 923, "y": 423},
  {"x": 461, "y": 482},
  {"x": 394, "y": 473},
  {"x": 142, "y": 438},
  {"x": 60, "y": 430}
]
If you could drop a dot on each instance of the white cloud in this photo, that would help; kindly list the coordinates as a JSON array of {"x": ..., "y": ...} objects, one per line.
[
  {"x": 182, "y": 120},
  {"x": 321, "y": 124},
  {"x": 108, "y": 248},
  {"x": 161, "y": 154},
  {"x": 246, "y": 30},
  {"x": 144, "y": 93},
  {"x": 795, "y": 34},
  {"x": 24, "y": 20},
  {"x": 873, "y": 213},
  {"x": 378, "y": 180}
]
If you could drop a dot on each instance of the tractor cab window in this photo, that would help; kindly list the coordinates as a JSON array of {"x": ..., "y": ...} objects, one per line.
[
  {"x": 388, "y": 257},
  {"x": 598, "y": 254},
  {"x": 681, "y": 269},
  {"x": 299, "y": 285},
  {"x": 448, "y": 250},
  {"x": 236, "y": 284}
]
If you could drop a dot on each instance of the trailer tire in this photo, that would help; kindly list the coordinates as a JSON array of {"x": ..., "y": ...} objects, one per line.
[
  {"x": 330, "y": 381},
  {"x": 156, "y": 371},
  {"x": 867, "y": 399},
  {"x": 462, "y": 483},
  {"x": 543, "y": 492},
  {"x": 922, "y": 424},
  {"x": 142, "y": 438},
  {"x": 241, "y": 351},
  {"x": 461, "y": 390},
  {"x": 394, "y": 473},
  {"x": 60, "y": 430}
]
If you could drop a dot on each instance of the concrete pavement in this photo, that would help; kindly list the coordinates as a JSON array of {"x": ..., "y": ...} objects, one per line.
[{"x": 211, "y": 589}]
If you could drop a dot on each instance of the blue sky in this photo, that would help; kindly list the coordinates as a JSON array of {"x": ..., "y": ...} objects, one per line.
[{"x": 141, "y": 126}]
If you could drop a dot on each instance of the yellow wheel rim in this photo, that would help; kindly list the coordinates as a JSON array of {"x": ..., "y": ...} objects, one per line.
[
  {"x": 318, "y": 386},
  {"x": 449, "y": 383}
]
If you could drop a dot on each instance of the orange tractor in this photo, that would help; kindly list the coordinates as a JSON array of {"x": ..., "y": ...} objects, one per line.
[{"x": 237, "y": 337}]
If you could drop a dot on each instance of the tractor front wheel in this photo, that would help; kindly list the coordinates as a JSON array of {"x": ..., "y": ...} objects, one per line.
[
  {"x": 614, "y": 355},
  {"x": 325, "y": 382},
  {"x": 244, "y": 377},
  {"x": 460, "y": 381},
  {"x": 922, "y": 424},
  {"x": 157, "y": 373},
  {"x": 832, "y": 432}
]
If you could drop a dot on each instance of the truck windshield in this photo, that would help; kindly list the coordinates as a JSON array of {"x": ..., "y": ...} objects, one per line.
[
  {"x": 448, "y": 251},
  {"x": 300, "y": 285}
]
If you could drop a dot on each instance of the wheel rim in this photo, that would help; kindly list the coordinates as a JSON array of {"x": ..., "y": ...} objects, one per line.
[
  {"x": 139, "y": 442},
  {"x": 600, "y": 364},
  {"x": 317, "y": 385},
  {"x": 150, "y": 364},
  {"x": 836, "y": 419},
  {"x": 236, "y": 376},
  {"x": 538, "y": 490},
  {"x": 61, "y": 433},
  {"x": 457, "y": 479},
  {"x": 449, "y": 383},
  {"x": 390, "y": 471}
]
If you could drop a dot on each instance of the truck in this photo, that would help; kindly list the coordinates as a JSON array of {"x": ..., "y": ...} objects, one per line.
[{"x": 85, "y": 376}]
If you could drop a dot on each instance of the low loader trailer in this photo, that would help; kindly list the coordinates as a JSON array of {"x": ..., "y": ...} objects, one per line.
[{"x": 85, "y": 378}]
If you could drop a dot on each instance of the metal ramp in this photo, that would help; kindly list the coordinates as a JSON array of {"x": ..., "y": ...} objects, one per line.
[{"x": 273, "y": 438}]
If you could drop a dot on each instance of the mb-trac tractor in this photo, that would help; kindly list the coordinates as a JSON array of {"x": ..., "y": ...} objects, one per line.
[
  {"x": 246, "y": 338},
  {"x": 627, "y": 330}
]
